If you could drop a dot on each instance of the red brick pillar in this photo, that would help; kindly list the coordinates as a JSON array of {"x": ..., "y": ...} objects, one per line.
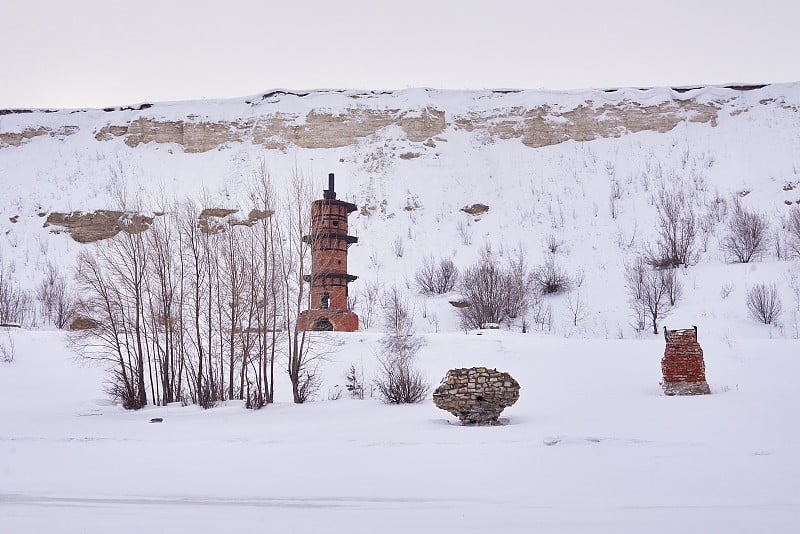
[{"x": 682, "y": 365}]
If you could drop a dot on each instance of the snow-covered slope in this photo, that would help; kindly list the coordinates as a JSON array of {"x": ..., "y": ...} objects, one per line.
[{"x": 582, "y": 167}]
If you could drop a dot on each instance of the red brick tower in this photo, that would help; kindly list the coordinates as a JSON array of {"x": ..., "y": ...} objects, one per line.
[{"x": 329, "y": 278}]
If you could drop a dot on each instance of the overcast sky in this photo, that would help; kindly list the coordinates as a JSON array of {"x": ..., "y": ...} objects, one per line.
[{"x": 95, "y": 53}]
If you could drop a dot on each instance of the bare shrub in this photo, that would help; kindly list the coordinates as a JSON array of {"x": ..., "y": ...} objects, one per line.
[
  {"x": 648, "y": 291},
  {"x": 673, "y": 286},
  {"x": 436, "y": 279},
  {"x": 397, "y": 247},
  {"x": 763, "y": 303},
  {"x": 552, "y": 244},
  {"x": 482, "y": 286},
  {"x": 747, "y": 236},
  {"x": 550, "y": 277},
  {"x": 398, "y": 316},
  {"x": 56, "y": 298},
  {"x": 398, "y": 381},
  {"x": 7, "y": 348},
  {"x": 577, "y": 308},
  {"x": 677, "y": 229},
  {"x": 726, "y": 290},
  {"x": 355, "y": 382},
  {"x": 495, "y": 293},
  {"x": 464, "y": 232},
  {"x": 793, "y": 231},
  {"x": 15, "y": 303},
  {"x": 369, "y": 298}
]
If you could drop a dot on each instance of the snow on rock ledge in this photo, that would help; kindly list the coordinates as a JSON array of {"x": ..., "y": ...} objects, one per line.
[{"x": 476, "y": 395}]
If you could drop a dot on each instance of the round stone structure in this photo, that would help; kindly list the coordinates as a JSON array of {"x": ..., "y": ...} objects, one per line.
[{"x": 476, "y": 395}]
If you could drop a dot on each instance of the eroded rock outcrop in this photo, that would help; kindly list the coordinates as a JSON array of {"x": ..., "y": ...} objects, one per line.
[
  {"x": 22, "y": 137},
  {"x": 97, "y": 225},
  {"x": 476, "y": 395}
]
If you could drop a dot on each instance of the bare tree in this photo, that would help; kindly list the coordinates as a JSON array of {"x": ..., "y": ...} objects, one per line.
[
  {"x": 107, "y": 336},
  {"x": 577, "y": 308},
  {"x": 7, "y": 348},
  {"x": 676, "y": 227},
  {"x": 647, "y": 288},
  {"x": 55, "y": 297},
  {"x": 398, "y": 380},
  {"x": 15, "y": 303},
  {"x": 369, "y": 293},
  {"x": 269, "y": 286},
  {"x": 304, "y": 351},
  {"x": 672, "y": 285},
  {"x": 763, "y": 303},
  {"x": 747, "y": 236},
  {"x": 793, "y": 231}
]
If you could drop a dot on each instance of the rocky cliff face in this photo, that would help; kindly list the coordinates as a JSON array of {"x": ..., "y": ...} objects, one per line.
[{"x": 280, "y": 120}]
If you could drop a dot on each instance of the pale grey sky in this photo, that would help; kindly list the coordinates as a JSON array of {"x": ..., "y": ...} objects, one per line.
[{"x": 95, "y": 53}]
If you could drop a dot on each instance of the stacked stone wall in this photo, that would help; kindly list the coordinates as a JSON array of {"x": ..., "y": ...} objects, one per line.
[{"x": 476, "y": 395}]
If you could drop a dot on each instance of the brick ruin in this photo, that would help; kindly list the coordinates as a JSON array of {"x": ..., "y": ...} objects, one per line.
[
  {"x": 329, "y": 241},
  {"x": 476, "y": 395},
  {"x": 682, "y": 365}
]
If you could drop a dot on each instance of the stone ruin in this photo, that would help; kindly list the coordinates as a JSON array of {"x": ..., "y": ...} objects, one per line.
[
  {"x": 682, "y": 365},
  {"x": 476, "y": 395}
]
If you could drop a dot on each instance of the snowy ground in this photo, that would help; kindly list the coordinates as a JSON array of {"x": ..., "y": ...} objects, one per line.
[{"x": 591, "y": 446}]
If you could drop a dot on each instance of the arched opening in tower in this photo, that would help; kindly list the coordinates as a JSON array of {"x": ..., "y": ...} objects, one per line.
[{"x": 323, "y": 324}]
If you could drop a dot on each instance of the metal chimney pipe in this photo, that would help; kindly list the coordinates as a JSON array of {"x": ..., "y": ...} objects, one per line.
[{"x": 330, "y": 193}]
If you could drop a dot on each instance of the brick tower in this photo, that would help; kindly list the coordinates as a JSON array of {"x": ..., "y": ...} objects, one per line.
[{"x": 329, "y": 278}]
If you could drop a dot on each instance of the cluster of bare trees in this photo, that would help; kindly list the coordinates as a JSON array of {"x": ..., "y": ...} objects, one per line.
[
  {"x": 15, "y": 303},
  {"x": 653, "y": 292},
  {"x": 202, "y": 313},
  {"x": 52, "y": 302}
]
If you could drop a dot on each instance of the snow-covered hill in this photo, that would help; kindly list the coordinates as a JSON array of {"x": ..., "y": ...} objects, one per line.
[{"x": 580, "y": 169}]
